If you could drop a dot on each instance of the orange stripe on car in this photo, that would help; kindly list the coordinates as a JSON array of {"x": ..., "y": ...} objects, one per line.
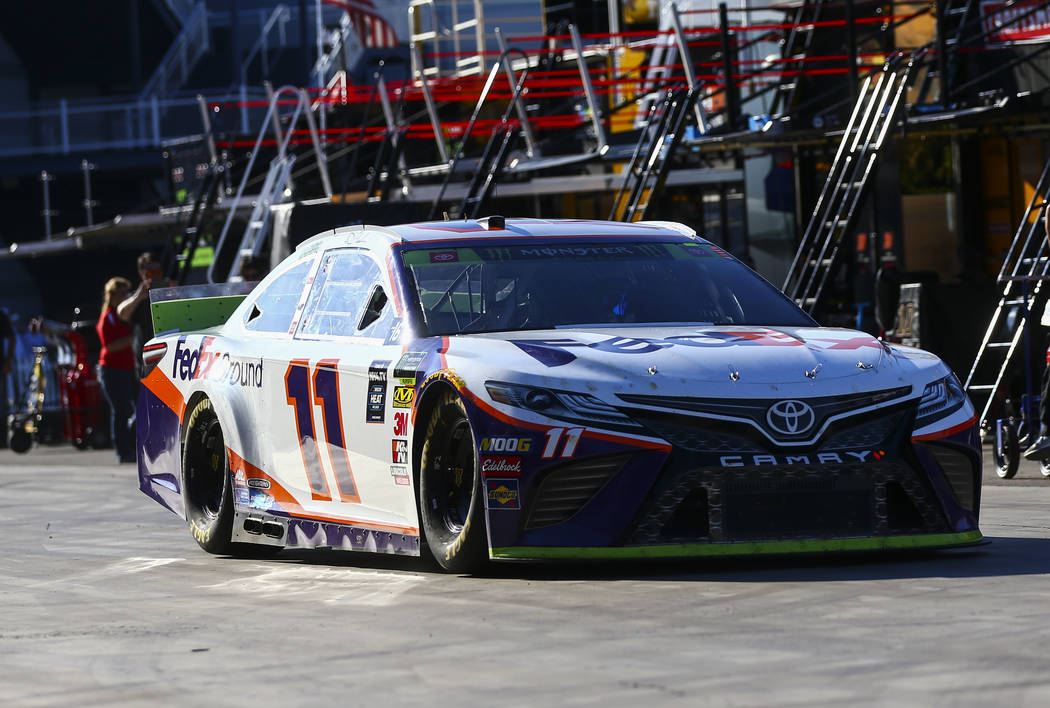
[
  {"x": 162, "y": 387},
  {"x": 947, "y": 431}
]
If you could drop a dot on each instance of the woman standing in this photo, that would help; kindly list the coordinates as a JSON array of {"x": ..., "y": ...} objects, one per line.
[{"x": 116, "y": 361}]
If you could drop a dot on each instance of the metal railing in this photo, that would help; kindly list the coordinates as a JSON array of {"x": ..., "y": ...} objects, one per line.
[
  {"x": 82, "y": 126},
  {"x": 187, "y": 49}
]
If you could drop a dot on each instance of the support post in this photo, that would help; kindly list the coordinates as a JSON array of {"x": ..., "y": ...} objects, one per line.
[
  {"x": 89, "y": 203},
  {"x": 732, "y": 102},
  {"x": 687, "y": 64},
  {"x": 851, "y": 44},
  {"x": 588, "y": 89},
  {"x": 46, "y": 178},
  {"x": 942, "y": 56}
]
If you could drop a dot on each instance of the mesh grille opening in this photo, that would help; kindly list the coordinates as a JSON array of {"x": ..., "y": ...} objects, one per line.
[
  {"x": 566, "y": 489},
  {"x": 959, "y": 470}
]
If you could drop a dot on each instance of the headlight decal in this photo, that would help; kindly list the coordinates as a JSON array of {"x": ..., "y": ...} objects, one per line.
[{"x": 570, "y": 406}]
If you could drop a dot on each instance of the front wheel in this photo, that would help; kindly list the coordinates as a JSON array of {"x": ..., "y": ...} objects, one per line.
[
  {"x": 451, "y": 501},
  {"x": 206, "y": 480}
]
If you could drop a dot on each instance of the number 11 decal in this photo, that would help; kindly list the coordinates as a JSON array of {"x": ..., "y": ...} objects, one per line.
[
  {"x": 325, "y": 389},
  {"x": 554, "y": 438}
]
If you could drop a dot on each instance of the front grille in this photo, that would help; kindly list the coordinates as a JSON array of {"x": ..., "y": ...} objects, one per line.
[
  {"x": 694, "y": 434},
  {"x": 565, "y": 489},
  {"x": 781, "y": 502}
]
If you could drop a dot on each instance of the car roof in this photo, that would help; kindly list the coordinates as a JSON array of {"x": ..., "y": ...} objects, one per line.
[{"x": 488, "y": 228}]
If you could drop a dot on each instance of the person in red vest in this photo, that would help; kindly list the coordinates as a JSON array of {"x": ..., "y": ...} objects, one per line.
[{"x": 116, "y": 361}]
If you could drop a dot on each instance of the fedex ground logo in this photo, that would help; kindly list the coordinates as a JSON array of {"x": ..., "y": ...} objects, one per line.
[{"x": 204, "y": 363}]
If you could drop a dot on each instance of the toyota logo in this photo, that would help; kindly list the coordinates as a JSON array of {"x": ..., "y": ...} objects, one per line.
[{"x": 790, "y": 417}]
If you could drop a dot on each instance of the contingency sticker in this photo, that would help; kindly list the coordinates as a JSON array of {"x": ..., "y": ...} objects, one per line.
[
  {"x": 408, "y": 365},
  {"x": 375, "y": 408},
  {"x": 502, "y": 493}
]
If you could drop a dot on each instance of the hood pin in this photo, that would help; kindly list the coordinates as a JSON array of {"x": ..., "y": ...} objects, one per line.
[
  {"x": 812, "y": 373},
  {"x": 652, "y": 370},
  {"x": 734, "y": 375},
  {"x": 862, "y": 365}
]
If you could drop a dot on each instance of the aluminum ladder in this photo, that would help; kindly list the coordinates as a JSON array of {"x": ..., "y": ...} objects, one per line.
[
  {"x": 645, "y": 173},
  {"x": 837, "y": 208},
  {"x": 1022, "y": 277}
]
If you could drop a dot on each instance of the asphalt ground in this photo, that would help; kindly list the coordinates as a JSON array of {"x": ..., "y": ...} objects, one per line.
[{"x": 106, "y": 600}]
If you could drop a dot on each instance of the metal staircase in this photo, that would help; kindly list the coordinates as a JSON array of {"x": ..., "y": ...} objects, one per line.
[
  {"x": 1022, "y": 277},
  {"x": 645, "y": 173},
  {"x": 796, "y": 47},
  {"x": 276, "y": 186},
  {"x": 850, "y": 175},
  {"x": 956, "y": 21}
]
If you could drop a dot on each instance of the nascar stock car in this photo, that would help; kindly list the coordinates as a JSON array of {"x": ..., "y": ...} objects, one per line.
[{"x": 544, "y": 389}]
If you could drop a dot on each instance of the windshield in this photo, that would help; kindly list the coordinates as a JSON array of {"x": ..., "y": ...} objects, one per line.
[{"x": 498, "y": 288}]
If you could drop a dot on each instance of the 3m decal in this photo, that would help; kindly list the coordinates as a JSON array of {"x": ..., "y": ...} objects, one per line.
[
  {"x": 325, "y": 385},
  {"x": 505, "y": 444},
  {"x": 502, "y": 493},
  {"x": 407, "y": 366},
  {"x": 501, "y": 465},
  {"x": 400, "y": 423},
  {"x": 399, "y": 451},
  {"x": 404, "y": 396},
  {"x": 375, "y": 407},
  {"x": 554, "y": 439}
]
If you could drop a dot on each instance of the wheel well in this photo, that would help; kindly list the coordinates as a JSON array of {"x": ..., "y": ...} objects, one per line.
[{"x": 423, "y": 411}]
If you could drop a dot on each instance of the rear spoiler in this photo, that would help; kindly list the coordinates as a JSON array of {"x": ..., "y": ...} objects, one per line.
[{"x": 195, "y": 306}]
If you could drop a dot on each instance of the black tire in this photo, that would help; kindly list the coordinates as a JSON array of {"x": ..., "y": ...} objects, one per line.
[
  {"x": 451, "y": 497},
  {"x": 1007, "y": 455},
  {"x": 206, "y": 480},
  {"x": 20, "y": 441}
]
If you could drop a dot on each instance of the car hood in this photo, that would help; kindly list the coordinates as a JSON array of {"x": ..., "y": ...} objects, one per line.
[{"x": 705, "y": 361}]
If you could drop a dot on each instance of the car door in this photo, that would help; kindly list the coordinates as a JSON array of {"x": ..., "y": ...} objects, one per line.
[{"x": 339, "y": 385}]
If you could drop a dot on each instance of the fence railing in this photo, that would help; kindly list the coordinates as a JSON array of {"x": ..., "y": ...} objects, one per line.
[
  {"x": 187, "y": 49},
  {"x": 82, "y": 126}
]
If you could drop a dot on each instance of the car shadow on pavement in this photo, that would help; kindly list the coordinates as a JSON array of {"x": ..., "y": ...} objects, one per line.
[{"x": 1000, "y": 556}]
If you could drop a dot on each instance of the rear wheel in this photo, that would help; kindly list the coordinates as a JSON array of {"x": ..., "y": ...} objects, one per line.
[
  {"x": 451, "y": 500},
  {"x": 206, "y": 480}
]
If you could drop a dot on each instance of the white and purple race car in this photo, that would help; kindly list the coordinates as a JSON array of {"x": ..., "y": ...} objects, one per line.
[{"x": 544, "y": 389}]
